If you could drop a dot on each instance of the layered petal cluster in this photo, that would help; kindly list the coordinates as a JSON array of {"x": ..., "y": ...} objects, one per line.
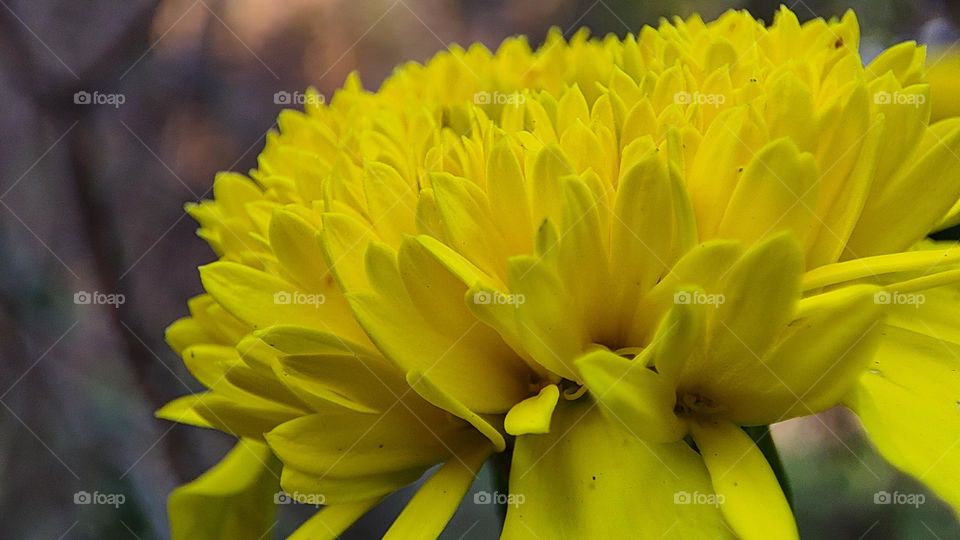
[{"x": 610, "y": 255}]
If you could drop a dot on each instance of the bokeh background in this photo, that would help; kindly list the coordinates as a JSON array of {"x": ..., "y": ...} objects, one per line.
[{"x": 91, "y": 200}]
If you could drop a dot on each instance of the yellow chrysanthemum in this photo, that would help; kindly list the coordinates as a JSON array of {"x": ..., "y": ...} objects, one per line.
[{"x": 608, "y": 254}]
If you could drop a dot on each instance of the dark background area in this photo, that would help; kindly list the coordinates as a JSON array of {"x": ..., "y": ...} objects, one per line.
[{"x": 91, "y": 200}]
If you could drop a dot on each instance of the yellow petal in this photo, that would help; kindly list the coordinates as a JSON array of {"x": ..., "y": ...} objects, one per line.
[
  {"x": 294, "y": 241},
  {"x": 847, "y": 159},
  {"x": 431, "y": 508},
  {"x": 332, "y": 521},
  {"x": 247, "y": 417},
  {"x": 468, "y": 222},
  {"x": 533, "y": 414},
  {"x": 292, "y": 339},
  {"x": 185, "y": 332},
  {"x": 814, "y": 367},
  {"x": 628, "y": 392},
  {"x": 641, "y": 241},
  {"x": 916, "y": 199},
  {"x": 262, "y": 300},
  {"x": 362, "y": 384},
  {"x": 508, "y": 198},
  {"x": 909, "y": 404},
  {"x": 420, "y": 321},
  {"x": 586, "y": 500},
  {"x": 730, "y": 142},
  {"x": 704, "y": 267},
  {"x": 234, "y": 499},
  {"x": 777, "y": 192},
  {"x": 549, "y": 334},
  {"x": 337, "y": 448},
  {"x": 871, "y": 267},
  {"x": 441, "y": 399},
  {"x": 681, "y": 333},
  {"x": 759, "y": 294},
  {"x": 743, "y": 482},
  {"x": 391, "y": 201},
  {"x": 182, "y": 410},
  {"x": 344, "y": 240}
]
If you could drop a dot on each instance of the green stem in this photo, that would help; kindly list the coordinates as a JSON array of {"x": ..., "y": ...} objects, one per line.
[{"x": 764, "y": 441}]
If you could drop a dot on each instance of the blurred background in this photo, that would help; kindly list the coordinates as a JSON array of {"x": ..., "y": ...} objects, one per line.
[{"x": 116, "y": 113}]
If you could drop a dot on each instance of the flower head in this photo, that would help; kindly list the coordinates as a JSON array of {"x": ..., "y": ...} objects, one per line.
[{"x": 614, "y": 253}]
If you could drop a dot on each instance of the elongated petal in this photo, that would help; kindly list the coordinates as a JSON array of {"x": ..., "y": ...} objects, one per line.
[
  {"x": 552, "y": 338},
  {"x": 261, "y": 300},
  {"x": 749, "y": 495},
  {"x": 234, "y": 499},
  {"x": 443, "y": 400},
  {"x": 640, "y": 236},
  {"x": 419, "y": 319},
  {"x": 295, "y": 243},
  {"x": 248, "y": 417},
  {"x": 815, "y": 367},
  {"x": 363, "y": 384},
  {"x": 759, "y": 294},
  {"x": 924, "y": 260},
  {"x": 778, "y": 192},
  {"x": 428, "y": 512},
  {"x": 587, "y": 500},
  {"x": 929, "y": 186},
  {"x": 182, "y": 410},
  {"x": 332, "y": 521},
  {"x": 346, "y": 445}
]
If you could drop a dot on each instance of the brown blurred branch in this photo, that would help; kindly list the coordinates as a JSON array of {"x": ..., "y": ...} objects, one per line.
[{"x": 53, "y": 98}]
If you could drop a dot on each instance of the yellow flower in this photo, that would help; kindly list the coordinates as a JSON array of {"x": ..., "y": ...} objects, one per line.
[{"x": 613, "y": 254}]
